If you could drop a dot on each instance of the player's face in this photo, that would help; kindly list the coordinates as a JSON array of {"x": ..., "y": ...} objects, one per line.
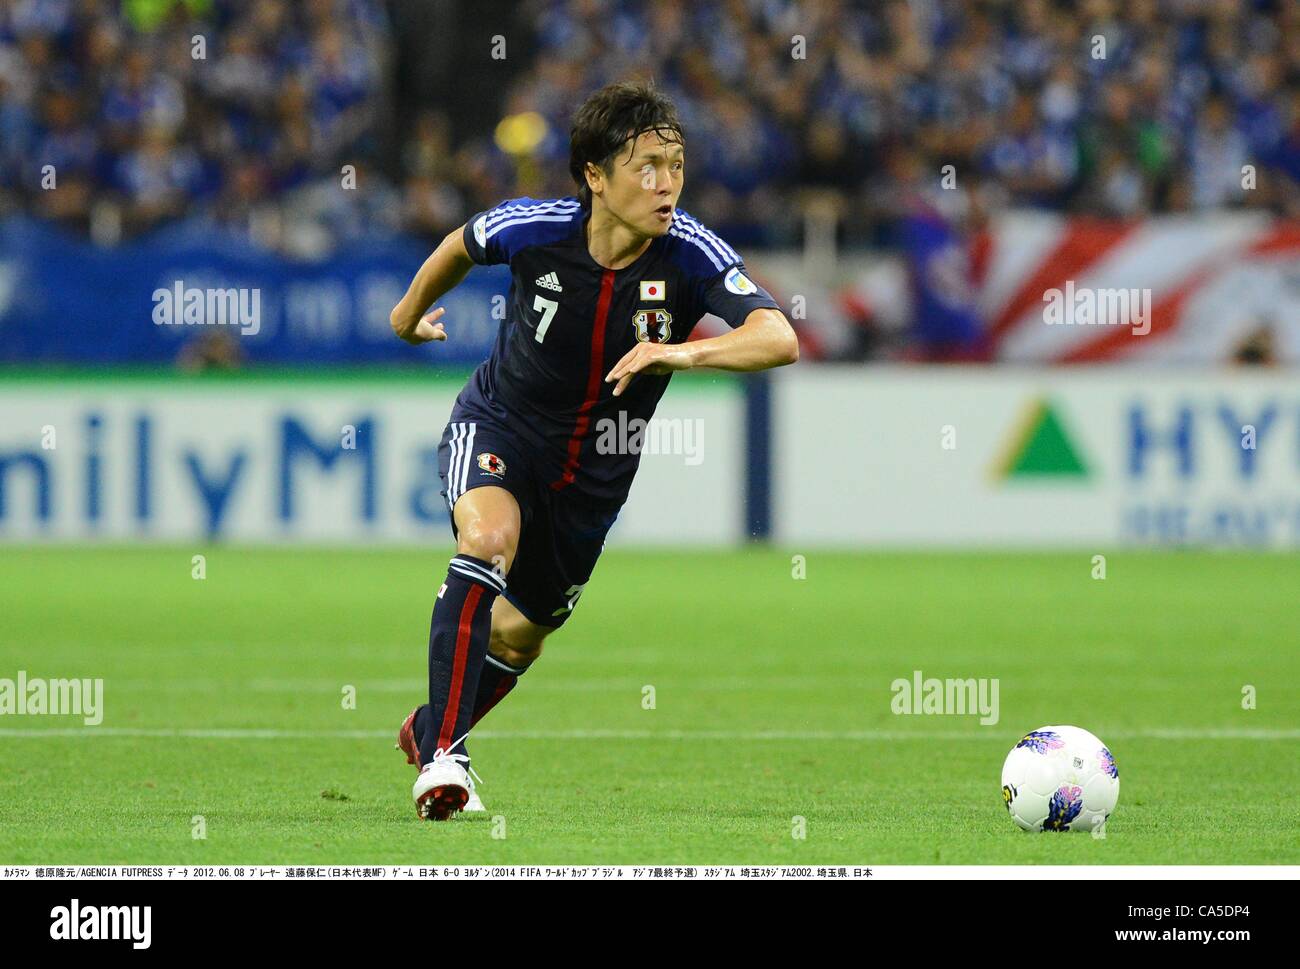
[{"x": 645, "y": 183}]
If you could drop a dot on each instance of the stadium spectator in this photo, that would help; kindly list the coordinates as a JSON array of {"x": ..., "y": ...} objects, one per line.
[{"x": 1120, "y": 108}]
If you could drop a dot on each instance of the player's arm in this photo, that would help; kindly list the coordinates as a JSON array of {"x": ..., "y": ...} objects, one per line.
[
  {"x": 441, "y": 272},
  {"x": 766, "y": 339}
]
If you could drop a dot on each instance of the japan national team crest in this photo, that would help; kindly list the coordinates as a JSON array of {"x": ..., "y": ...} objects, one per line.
[
  {"x": 492, "y": 464},
  {"x": 653, "y": 326}
]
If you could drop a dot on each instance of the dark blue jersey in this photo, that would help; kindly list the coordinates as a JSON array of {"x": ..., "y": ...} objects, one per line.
[{"x": 569, "y": 320}]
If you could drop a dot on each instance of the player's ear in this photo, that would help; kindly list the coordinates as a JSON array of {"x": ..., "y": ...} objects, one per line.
[{"x": 595, "y": 178}]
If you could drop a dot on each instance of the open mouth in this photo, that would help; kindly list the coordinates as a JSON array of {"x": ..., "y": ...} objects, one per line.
[{"x": 665, "y": 212}]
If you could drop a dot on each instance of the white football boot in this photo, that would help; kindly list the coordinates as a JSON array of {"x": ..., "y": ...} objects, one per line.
[
  {"x": 406, "y": 744},
  {"x": 442, "y": 788},
  {"x": 473, "y": 804}
]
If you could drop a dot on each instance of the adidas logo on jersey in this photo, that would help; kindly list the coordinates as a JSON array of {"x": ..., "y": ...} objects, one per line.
[{"x": 550, "y": 281}]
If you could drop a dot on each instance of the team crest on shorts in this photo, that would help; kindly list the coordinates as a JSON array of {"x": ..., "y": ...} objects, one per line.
[
  {"x": 653, "y": 326},
  {"x": 492, "y": 464}
]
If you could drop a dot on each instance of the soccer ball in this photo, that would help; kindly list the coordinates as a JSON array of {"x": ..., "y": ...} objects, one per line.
[{"x": 1060, "y": 779}]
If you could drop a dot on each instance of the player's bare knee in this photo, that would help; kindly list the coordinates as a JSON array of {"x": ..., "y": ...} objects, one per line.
[
  {"x": 520, "y": 658},
  {"x": 489, "y": 541},
  {"x": 513, "y": 657},
  {"x": 516, "y": 647}
]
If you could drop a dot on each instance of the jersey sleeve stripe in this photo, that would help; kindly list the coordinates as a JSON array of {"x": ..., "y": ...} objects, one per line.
[
  {"x": 723, "y": 252},
  {"x": 567, "y": 217},
  {"x": 731, "y": 253},
  {"x": 695, "y": 227},
  {"x": 512, "y": 210},
  {"x": 697, "y": 242}
]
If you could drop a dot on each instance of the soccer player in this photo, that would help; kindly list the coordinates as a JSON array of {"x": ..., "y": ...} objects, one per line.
[{"x": 605, "y": 289}]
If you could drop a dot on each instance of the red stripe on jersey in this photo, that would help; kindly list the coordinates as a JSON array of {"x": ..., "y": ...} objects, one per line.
[
  {"x": 447, "y": 734},
  {"x": 581, "y": 426}
]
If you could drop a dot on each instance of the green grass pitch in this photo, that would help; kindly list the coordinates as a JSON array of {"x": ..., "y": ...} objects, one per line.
[{"x": 224, "y": 699}]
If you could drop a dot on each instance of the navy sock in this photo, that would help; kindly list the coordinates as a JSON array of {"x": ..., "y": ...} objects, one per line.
[
  {"x": 458, "y": 641},
  {"x": 496, "y": 679}
]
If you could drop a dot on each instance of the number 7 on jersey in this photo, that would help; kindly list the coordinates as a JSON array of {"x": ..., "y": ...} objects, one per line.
[{"x": 548, "y": 308}]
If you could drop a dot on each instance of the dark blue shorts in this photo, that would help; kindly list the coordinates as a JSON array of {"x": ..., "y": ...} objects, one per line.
[{"x": 562, "y": 532}]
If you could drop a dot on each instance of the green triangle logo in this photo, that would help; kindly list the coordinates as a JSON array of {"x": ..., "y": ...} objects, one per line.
[{"x": 1041, "y": 448}]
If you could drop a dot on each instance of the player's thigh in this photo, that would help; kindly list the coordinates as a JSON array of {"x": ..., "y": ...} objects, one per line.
[
  {"x": 487, "y": 525},
  {"x": 557, "y": 554},
  {"x": 515, "y": 638},
  {"x": 487, "y": 484}
]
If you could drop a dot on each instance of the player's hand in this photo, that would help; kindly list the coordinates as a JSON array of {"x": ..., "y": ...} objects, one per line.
[
  {"x": 425, "y": 330},
  {"x": 654, "y": 358}
]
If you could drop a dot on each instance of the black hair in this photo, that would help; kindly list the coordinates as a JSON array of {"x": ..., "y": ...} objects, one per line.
[{"x": 609, "y": 118}]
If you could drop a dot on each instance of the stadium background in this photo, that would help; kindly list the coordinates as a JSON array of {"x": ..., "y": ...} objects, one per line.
[{"x": 908, "y": 178}]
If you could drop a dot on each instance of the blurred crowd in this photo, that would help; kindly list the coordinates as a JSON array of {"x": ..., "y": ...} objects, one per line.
[
  {"x": 140, "y": 112},
  {"x": 1112, "y": 107}
]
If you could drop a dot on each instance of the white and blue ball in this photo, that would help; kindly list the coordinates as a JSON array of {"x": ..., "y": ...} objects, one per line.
[{"x": 1060, "y": 779}]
